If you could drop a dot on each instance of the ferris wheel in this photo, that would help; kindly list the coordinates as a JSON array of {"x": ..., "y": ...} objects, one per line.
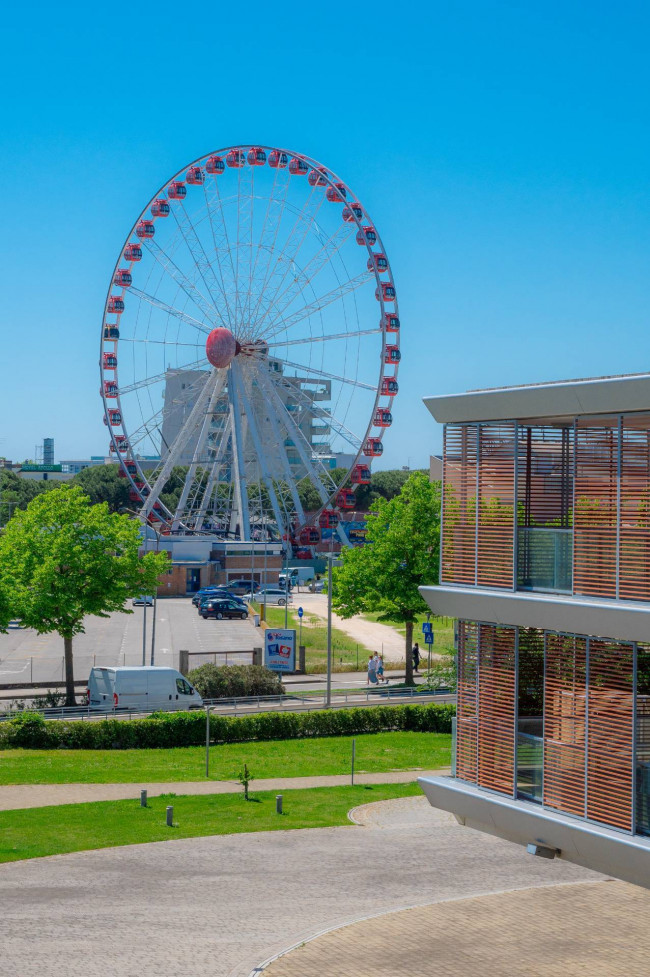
[{"x": 249, "y": 346}]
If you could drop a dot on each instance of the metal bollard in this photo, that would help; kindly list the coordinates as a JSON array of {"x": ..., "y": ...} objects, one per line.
[
  {"x": 278, "y": 803},
  {"x": 170, "y": 817},
  {"x": 143, "y": 798}
]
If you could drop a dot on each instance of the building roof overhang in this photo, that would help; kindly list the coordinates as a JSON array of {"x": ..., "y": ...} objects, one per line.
[
  {"x": 560, "y": 402},
  {"x": 617, "y": 620}
]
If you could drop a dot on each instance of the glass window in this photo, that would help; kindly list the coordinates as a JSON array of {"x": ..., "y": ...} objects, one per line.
[
  {"x": 530, "y": 708},
  {"x": 643, "y": 740}
]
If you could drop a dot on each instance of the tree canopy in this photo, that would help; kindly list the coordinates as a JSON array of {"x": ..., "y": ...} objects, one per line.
[
  {"x": 401, "y": 554},
  {"x": 63, "y": 558},
  {"x": 16, "y": 493}
]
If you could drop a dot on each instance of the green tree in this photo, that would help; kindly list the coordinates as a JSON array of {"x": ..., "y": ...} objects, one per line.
[
  {"x": 17, "y": 493},
  {"x": 401, "y": 554},
  {"x": 102, "y": 483},
  {"x": 63, "y": 558}
]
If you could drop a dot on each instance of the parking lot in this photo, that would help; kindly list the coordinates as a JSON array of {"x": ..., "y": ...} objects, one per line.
[{"x": 27, "y": 657}]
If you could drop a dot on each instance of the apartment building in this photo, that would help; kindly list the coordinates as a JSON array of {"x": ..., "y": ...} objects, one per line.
[{"x": 545, "y": 562}]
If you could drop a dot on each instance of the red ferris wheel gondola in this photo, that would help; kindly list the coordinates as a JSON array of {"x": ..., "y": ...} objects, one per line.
[
  {"x": 389, "y": 387},
  {"x": 298, "y": 166},
  {"x": 256, "y": 156},
  {"x": 373, "y": 448},
  {"x": 367, "y": 235},
  {"x": 352, "y": 211},
  {"x": 176, "y": 190},
  {"x": 215, "y": 165},
  {"x": 160, "y": 208},
  {"x": 133, "y": 252},
  {"x": 145, "y": 229},
  {"x": 122, "y": 277},
  {"x": 195, "y": 176},
  {"x": 390, "y": 322},
  {"x": 278, "y": 159}
]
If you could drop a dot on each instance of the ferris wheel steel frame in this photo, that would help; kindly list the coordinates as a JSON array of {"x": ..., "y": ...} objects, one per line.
[{"x": 269, "y": 316}]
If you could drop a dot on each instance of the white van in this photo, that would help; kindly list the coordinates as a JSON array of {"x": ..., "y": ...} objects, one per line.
[{"x": 144, "y": 688}]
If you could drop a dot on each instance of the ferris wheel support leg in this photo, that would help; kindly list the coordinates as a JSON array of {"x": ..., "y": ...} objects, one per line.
[
  {"x": 241, "y": 491},
  {"x": 299, "y": 440},
  {"x": 257, "y": 442},
  {"x": 213, "y": 477},
  {"x": 176, "y": 449},
  {"x": 217, "y": 390}
]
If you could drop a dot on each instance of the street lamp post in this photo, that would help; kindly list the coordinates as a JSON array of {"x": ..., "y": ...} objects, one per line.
[{"x": 124, "y": 509}]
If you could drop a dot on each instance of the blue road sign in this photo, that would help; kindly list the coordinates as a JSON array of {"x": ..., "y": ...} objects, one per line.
[
  {"x": 300, "y": 612},
  {"x": 427, "y": 627},
  {"x": 428, "y": 638}
]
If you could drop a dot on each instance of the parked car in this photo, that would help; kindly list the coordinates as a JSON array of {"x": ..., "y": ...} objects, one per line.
[
  {"x": 148, "y": 687},
  {"x": 221, "y": 595},
  {"x": 220, "y": 608},
  {"x": 242, "y": 586},
  {"x": 196, "y": 598},
  {"x": 317, "y": 587},
  {"x": 274, "y": 595},
  {"x": 143, "y": 599}
]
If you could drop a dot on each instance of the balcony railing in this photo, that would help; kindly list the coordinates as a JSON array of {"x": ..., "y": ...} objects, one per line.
[{"x": 545, "y": 559}]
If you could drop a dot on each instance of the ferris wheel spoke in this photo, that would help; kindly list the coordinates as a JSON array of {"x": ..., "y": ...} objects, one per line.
[
  {"x": 217, "y": 391},
  {"x": 208, "y": 309},
  {"x": 305, "y": 276},
  {"x": 268, "y": 238},
  {"x": 184, "y": 435},
  {"x": 200, "y": 258},
  {"x": 305, "y": 220},
  {"x": 317, "y": 305},
  {"x": 324, "y": 339},
  {"x": 159, "y": 342},
  {"x": 279, "y": 437},
  {"x": 301, "y": 444},
  {"x": 217, "y": 216},
  {"x": 259, "y": 448},
  {"x": 170, "y": 310},
  {"x": 159, "y": 377},
  {"x": 218, "y": 245},
  {"x": 321, "y": 373}
]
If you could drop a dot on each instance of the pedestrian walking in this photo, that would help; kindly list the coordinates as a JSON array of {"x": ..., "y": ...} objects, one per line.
[
  {"x": 380, "y": 669},
  {"x": 416, "y": 656},
  {"x": 372, "y": 671}
]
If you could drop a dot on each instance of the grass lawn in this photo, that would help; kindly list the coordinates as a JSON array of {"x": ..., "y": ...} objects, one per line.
[
  {"x": 348, "y": 654},
  {"x": 375, "y": 753},
  {"x": 35, "y": 832}
]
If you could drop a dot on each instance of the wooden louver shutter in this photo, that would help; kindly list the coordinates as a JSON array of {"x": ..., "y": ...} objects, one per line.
[
  {"x": 459, "y": 504},
  {"x": 496, "y": 708},
  {"x": 467, "y": 702},
  {"x": 565, "y": 699},
  {"x": 596, "y": 507},
  {"x": 634, "y": 554},
  {"x": 496, "y": 504},
  {"x": 609, "y": 733}
]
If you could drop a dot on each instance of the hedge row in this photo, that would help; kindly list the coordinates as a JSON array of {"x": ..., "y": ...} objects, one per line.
[{"x": 164, "y": 730}]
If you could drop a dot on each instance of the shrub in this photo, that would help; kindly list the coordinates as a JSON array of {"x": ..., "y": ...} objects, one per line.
[
  {"x": 229, "y": 681},
  {"x": 166, "y": 730}
]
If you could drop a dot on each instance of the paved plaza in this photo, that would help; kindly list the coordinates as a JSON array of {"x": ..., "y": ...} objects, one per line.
[{"x": 221, "y": 906}]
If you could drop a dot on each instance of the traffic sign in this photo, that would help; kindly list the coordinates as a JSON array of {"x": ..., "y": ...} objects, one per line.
[
  {"x": 428, "y": 637},
  {"x": 300, "y": 612},
  {"x": 427, "y": 627}
]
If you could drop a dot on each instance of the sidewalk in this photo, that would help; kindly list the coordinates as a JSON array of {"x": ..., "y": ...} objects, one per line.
[{"x": 20, "y": 796}]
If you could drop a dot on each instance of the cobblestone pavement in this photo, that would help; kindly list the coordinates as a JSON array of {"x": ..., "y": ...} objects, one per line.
[
  {"x": 599, "y": 929},
  {"x": 19, "y": 796},
  {"x": 219, "y": 906}
]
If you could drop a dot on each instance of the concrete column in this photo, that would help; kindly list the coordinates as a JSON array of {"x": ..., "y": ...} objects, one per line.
[
  {"x": 302, "y": 659},
  {"x": 184, "y": 661},
  {"x": 258, "y": 658}
]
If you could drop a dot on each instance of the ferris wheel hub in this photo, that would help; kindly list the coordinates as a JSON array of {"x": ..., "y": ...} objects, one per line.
[{"x": 221, "y": 347}]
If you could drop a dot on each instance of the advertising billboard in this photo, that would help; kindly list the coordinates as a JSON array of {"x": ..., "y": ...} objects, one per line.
[{"x": 280, "y": 649}]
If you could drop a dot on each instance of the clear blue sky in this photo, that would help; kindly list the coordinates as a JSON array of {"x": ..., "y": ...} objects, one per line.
[{"x": 503, "y": 150}]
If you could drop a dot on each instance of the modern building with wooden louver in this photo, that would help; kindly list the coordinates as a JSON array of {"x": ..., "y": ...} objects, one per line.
[{"x": 545, "y": 562}]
